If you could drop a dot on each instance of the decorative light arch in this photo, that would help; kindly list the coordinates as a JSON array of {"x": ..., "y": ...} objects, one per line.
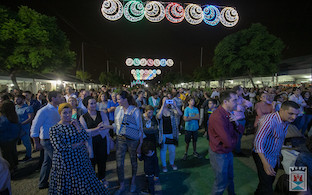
[{"x": 155, "y": 11}]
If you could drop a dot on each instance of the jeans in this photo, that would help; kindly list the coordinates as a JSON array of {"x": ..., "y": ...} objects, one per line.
[
  {"x": 238, "y": 145},
  {"x": 163, "y": 150},
  {"x": 124, "y": 144},
  {"x": 100, "y": 155},
  {"x": 222, "y": 165},
  {"x": 299, "y": 122},
  {"x": 265, "y": 181},
  {"x": 47, "y": 163},
  {"x": 26, "y": 141}
]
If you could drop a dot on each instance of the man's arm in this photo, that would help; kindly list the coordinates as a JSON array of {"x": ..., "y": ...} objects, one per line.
[{"x": 35, "y": 128}]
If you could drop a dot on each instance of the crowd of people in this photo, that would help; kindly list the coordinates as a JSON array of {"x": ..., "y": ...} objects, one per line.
[{"x": 75, "y": 132}]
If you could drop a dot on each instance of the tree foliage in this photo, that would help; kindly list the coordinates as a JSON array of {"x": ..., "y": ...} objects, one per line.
[
  {"x": 32, "y": 42},
  {"x": 202, "y": 74},
  {"x": 84, "y": 76},
  {"x": 250, "y": 52},
  {"x": 109, "y": 78}
]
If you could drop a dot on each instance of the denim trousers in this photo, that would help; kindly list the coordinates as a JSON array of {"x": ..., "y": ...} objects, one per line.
[
  {"x": 26, "y": 142},
  {"x": 123, "y": 144},
  {"x": 163, "y": 150},
  {"x": 47, "y": 163},
  {"x": 238, "y": 145},
  {"x": 305, "y": 121},
  {"x": 222, "y": 165}
]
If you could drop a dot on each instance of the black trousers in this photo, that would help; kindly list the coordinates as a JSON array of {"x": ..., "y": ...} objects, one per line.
[
  {"x": 9, "y": 153},
  {"x": 265, "y": 185},
  {"x": 150, "y": 184},
  {"x": 100, "y": 155}
]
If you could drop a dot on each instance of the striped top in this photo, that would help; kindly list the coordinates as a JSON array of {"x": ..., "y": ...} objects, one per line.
[{"x": 270, "y": 137}]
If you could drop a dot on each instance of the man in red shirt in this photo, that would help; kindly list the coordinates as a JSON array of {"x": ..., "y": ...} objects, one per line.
[{"x": 223, "y": 132}]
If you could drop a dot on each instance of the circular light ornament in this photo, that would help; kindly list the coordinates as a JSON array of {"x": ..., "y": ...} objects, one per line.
[
  {"x": 129, "y": 61},
  {"x": 136, "y": 61},
  {"x": 157, "y": 62},
  {"x": 194, "y": 14},
  {"x": 150, "y": 62},
  {"x": 134, "y": 11},
  {"x": 154, "y": 71},
  {"x": 169, "y": 62},
  {"x": 158, "y": 71},
  {"x": 132, "y": 71},
  {"x": 229, "y": 17},
  {"x": 154, "y": 11},
  {"x": 143, "y": 62},
  {"x": 150, "y": 71},
  {"x": 211, "y": 15},
  {"x": 174, "y": 12},
  {"x": 163, "y": 62},
  {"x": 112, "y": 9}
]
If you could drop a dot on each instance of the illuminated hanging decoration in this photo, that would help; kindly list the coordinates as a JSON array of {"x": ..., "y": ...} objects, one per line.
[
  {"x": 211, "y": 15},
  {"x": 174, "y": 12},
  {"x": 229, "y": 17},
  {"x": 137, "y": 82},
  {"x": 143, "y": 62},
  {"x": 149, "y": 62},
  {"x": 154, "y": 11},
  {"x": 194, "y": 14},
  {"x": 112, "y": 9},
  {"x": 134, "y": 11},
  {"x": 129, "y": 61},
  {"x": 169, "y": 62},
  {"x": 145, "y": 74}
]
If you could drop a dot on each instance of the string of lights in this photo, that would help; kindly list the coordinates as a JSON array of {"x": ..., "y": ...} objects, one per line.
[
  {"x": 149, "y": 62},
  {"x": 156, "y": 11}
]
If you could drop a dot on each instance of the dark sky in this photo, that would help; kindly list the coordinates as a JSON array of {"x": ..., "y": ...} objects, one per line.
[{"x": 104, "y": 40}]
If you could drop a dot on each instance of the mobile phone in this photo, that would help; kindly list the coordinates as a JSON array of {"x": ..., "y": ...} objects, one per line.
[{"x": 169, "y": 101}]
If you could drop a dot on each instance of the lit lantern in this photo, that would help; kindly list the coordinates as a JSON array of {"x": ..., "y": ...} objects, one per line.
[
  {"x": 132, "y": 71},
  {"x": 112, "y": 9},
  {"x": 156, "y": 62},
  {"x": 134, "y": 11},
  {"x": 143, "y": 62},
  {"x": 169, "y": 62},
  {"x": 136, "y": 61},
  {"x": 150, "y": 62},
  {"x": 211, "y": 15},
  {"x": 194, "y": 14},
  {"x": 229, "y": 17},
  {"x": 129, "y": 61},
  {"x": 158, "y": 71},
  {"x": 154, "y": 11},
  {"x": 174, "y": 12},
  {"x": 163, "y": 62}
]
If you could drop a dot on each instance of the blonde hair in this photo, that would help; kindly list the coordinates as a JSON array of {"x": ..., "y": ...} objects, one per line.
[{"x": 64, "y": 105}]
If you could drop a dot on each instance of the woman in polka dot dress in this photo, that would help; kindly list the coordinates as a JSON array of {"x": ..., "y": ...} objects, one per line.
[{"x": 71, "y": 171}]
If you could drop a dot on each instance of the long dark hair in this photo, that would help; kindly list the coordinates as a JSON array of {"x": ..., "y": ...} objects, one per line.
[
  {"x": 126, "y": 95},
  {"x": 7, "y": 108}
]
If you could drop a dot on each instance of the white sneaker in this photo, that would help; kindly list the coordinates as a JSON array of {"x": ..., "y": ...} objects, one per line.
[{"x": 165, "y": 170}]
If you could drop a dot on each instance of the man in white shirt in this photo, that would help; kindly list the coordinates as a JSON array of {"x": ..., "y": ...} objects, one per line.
[
  {"x": 215, "y": 93},
  {"x": 296, "y": 97},
  {"x": 69, "y": 93},
  {"x": 45, "y": 118}
]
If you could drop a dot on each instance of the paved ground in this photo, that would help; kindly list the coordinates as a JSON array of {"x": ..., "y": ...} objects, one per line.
[{"x": 25, "y": 180}]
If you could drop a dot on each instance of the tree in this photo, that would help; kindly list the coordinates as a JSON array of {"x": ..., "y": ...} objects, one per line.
[
  {"x": 84, "y": 76},
  {"x": 109, "y": 78},
  {"x": 202, "y": 74},
  {"x": 250, "y": 52},
  {"x": 31, "y": 42}
]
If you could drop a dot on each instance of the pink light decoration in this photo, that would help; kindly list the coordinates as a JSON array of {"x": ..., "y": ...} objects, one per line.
[
  {"x": 174, "y": 13},
  {"x": 150, "y": 62}
]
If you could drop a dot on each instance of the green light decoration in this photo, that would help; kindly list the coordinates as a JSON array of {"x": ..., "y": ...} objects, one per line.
[{"x": 134, "y": 11}]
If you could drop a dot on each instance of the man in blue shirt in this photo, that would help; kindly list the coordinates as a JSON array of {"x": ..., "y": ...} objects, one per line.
[
  {"x": 25, "y": 115},
  {"x": 46, "y": 117},
  {"x": 111, "y": 107},
  {"x": 191, "y": 117}
]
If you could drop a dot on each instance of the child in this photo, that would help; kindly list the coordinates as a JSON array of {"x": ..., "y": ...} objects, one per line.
[
  {"x": 191, "y": 117},
  {"x": 151, "y": 168},
  {"x": 212, "y": 106}
]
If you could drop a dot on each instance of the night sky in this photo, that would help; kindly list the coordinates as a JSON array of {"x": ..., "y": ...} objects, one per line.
[{"x": 104, "y": 40}]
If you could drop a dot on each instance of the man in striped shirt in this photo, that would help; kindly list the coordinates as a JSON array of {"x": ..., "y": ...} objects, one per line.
[{"x": 268, "y": 143}]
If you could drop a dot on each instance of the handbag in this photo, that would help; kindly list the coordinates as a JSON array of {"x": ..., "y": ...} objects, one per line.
[{"x": 131, "y": 130}]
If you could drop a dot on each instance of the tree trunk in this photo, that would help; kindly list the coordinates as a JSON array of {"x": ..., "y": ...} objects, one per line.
[
  {"x": 253, "y": 84},
  {"x": 13, "y": 78}
]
